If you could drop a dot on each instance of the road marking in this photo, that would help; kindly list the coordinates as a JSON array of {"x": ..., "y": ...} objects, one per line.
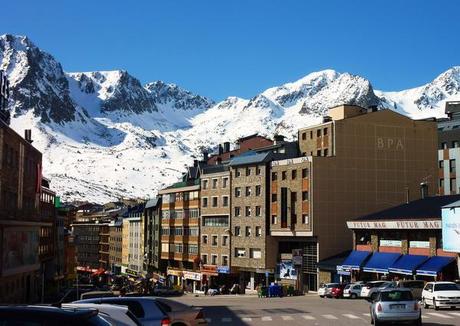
[
  {"x": 287, "y": 318},
  {"x": 439, "y": 315},
  {"x": 367, "y": 314},
  {"x": 226, "y": 320},
  {"x": 455, "y": 313},
  {"x": 351, "y": 316},
  {"x": 246, "y": 319},
  {"x": 267, "y": 318},
  {"x": 329, "y": 316},
  {"x": 308, "y": 317}
]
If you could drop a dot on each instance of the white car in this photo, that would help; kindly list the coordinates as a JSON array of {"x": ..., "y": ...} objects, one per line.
[
  {"x": 371, "y": 289},
  {"x": 352, "y": 290},
  {"x": 325, "y": 289},
  {"x": 116, "y": 315},
  {"x": 441, "y": 294}
]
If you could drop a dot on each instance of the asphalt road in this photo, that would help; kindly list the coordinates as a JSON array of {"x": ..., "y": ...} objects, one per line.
[{"x": 306, "y": 310}]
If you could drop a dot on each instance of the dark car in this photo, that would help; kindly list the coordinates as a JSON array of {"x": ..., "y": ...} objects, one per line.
[
  {"x": 50, "y": 316},
  {"x": 337, "y": 291}
]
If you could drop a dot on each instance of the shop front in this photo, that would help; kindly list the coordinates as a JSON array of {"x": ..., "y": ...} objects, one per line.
[
  {"x": 192, "y": 281},
  {"x": 174, "y": 277}
]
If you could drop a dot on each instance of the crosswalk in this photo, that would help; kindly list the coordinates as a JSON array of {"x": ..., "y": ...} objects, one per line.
[{"x": 325, "y": 317}]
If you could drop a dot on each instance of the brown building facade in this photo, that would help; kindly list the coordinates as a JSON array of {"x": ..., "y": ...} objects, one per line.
[{"x": 115, "y": 245}]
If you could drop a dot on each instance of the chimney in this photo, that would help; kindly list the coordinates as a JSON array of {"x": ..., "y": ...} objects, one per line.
[
  {"x": 205, "y": 156},
  {"x": 28, "y": 135},
  {"x": 423, "y": 190},
  {"x": 226, "y": 147},
  {"x": 220, "y": 149},
  {"x": 279, "y": 139}
]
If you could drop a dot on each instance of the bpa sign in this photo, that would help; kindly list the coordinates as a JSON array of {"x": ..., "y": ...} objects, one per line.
[{"x": 391, "y": 143}]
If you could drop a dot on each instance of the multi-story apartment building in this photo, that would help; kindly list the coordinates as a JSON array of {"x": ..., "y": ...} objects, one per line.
[
  {"x": 252, "y": 247},
  {"x": 115, "y": 245},
  {"x": 152, "y": 240},
  {"x": 86, "y": 238},
  {"x": 180, "y": 216},
  {"x": 357, "y": 162},
  {"x": 215, "y": 224},
  {"x": 133, "y": 241},
  {"x": 449, "y": 150},
  {"x": 104, "y": 246}
]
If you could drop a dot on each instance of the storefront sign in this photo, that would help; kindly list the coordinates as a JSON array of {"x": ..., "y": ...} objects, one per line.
[
  {"x": 390, "y": 243},
  {"x": 263, "y": 271},
  {"x": 209, "y": 270},
  {"x": 223, "y": 269},
  {"x": 174, "y": 272},
  {"x": 419, "y": 244},
  {"x": 451, "y": 229},
  {"x": 192, "y": 276},
  {"x": 131, "y": 272},
  {"x": 428, "y": 224}
]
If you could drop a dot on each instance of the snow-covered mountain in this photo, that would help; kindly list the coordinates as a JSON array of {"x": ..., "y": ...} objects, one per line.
[{"x": 104, "y": 135}]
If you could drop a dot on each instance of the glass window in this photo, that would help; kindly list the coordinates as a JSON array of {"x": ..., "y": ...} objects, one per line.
[
  {"x": 274, "y": 219},
  {"x": 224, "y": 260},
  {"x": 452, "y": 168},
  {"x": 214, "y": 183},
  {"x": 441, "y": 164},
  {"x": 204, "y": 259},
  {"x": 318, "y": 133},
  {"x": 258, "y": 211},
  {"x": 441, "y": 183},
  {"x": 274, "y": 176},
  {"x": 204, "y": 202},
  {"x": 214, "y": 260},
  {"x": 237, "y": 231},
  {"x": 224, "y": 240},
  {"x": 304, "y": 136},
  {"x": 205, "y": 239},
  {"x": 258, "y": 231},
  {"x": 455, "y": 144},
  {"x": 325, "y": 131},
  {"x": 237, "y": 172},
  {"x": 248, "y": 171},
  {"x": 318, "y": 152},
  {"x": 248, "y": 231},
  {"x": 248, "y": 210},
  {"x": 248, "y": 191},
  {"x": 325, "y": 152},
  {"x": 237, "y": 192},
  {"x": 443, "y": 145},
  {"x": 274, "y": 198},
  {"x": 258, "y": 190},
  {"x": 304, "y": 219},
  {"x": 214, "y": 201},
  {"x": 304, "y": 195},
  {"x": 255, "y": 253},
  {"x": 304, "y": 173},
  {"x": 237, "y": 211},
  {"x": 215, "y": 221},
  {"x": 240, "y": 252},
  {"x": 214, "y": 240},
  {"x": 453, "y": 184},
  {"x": 294, "y": 174},
  {"x": 258, "y": 170},
  {"x": 225, "y": 201},
  {"x": 224, "y": 182},
  {"x": 283, "y": 175}
]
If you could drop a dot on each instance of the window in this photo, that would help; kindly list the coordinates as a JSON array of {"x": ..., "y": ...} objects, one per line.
[
  {"x": 225, "y": 201},
  {"x": 443, "y": 145},
  {"x": 453, "y": 185},
  {"x": 240, "y": 252},
  {"x": 258, "y": 190},
  {"x": 237, "y": 211},
  {"x": 214, "y": 183},
  {"x": 304, "y": 219},
  {"x": 237, "y": 231},
  {"x": 318, "y": 133},
  {"x": 441, "y": 164},
  {"x": 304, "y": 173},
  {"x": 258, "y": 170},
  {"x": 311, "y": 134},
  {"x": 441, "y": 183},
  {"x": 214, "y": 240},
  {"x": 325, "y": 131},
  {"x": 248, "y": 171},
  {"x": 204, "y": 259},
  {"x": 247, "y": 210},
  {"x": 325, "y": 152},
  {"x": 248, "y": 231},
  {"x": 304, "y": 136},
  {"x": 293, "y": 196},
  {"x": 318, "y": 152},
  {"x": 248, "y": 191},
  {"x": 258, "y": 231},
  {"x": 455, "y": 144},
  {"x": 224, "y": 260},
  {"x": 237, "y": 172},
  {"x": 205, "y": 184},
  {"x": 237, "y": 192},
  {"x": 215, "y": 221},
  {"x": 283, "y": 175},
  {"x": 204, "y": 202},
  {"x": 274, "y": 219},
  {"x": 294, "y": 174},
  {"x": 452, "y": 166},
  {"x": 274, "y": 176},
  {"x": 214, "y": 201},
  {"x": 258, "y": 211},
  {"x": 255, "y": 253},
  {"x": 225, "y": 240},
  {"x": 224, "y": 182},
  {"x": 274, "y": 198},
  {"x": 213, "y": 259},
  {"x": 304, "y": 195}
]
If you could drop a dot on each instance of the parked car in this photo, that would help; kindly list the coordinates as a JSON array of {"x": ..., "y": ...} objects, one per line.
[
  {"x": 182, "y": 314},
  {"x": 395, "y": 305},
  {"x": 51, "y": 316},
  {"x": 352, "y": 290},
  {"x": 415, "y": 286},
  {"x": 163, "y": 291},
  {"x": 441, "y": 294},
  {"x": 96, "y": 294},
  {"x": 337, "y": 291},
  {"x": 146, "y": 309},
  {"x": 370, "y": 290},
  {"x": 117, "y": 315},
  {"x": 325, "y": 289}
]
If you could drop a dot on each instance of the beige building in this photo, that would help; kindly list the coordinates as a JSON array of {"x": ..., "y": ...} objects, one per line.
[
  {"x": 357, "y": 162},
  {"x": 215, "y": 223},
  {"x": 115, "y": 245}
]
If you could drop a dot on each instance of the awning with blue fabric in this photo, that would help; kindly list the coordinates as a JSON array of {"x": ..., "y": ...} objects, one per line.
[
  {"x": 434, "y": 265},
  {"x": 380, "y": 261},
  {"x": 354, "y": 261},
  {"x": 407, "y": 264}
]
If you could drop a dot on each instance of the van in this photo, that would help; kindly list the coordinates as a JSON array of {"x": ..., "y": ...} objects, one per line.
[{"x": 415, "y": 286}]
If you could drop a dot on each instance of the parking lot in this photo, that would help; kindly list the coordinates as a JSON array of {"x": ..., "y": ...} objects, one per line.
[{"x": 305, "y": 310}]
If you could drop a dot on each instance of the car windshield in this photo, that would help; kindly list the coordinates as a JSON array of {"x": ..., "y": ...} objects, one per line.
[
  {"x": 348, "y": 286},
  {"x": 396, "y": 296},
  {"x": 446, "y": 287}
]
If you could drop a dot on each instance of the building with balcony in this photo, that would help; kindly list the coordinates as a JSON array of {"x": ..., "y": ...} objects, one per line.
[
  {"x": 133, "y": 241},
  {"x": 104, "y": 246},
  {"x": 115, "y": 245},
  {"x": 357, "y": 162}
]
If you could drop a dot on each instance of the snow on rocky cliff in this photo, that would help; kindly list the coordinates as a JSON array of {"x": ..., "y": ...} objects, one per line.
[{"x": 104, "y": 135}]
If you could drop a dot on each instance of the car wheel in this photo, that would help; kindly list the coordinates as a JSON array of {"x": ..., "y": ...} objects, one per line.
[
  {"x": 321, "y": 296},
  {"x": 418, "y": 322},
  {"x": 425, "y": 305},
  {"x": 434, "y": 305},
  {"x": 354, "y": 296},
  {"x": 372, "y": 318},
  {"x": 377, "y": 322}
]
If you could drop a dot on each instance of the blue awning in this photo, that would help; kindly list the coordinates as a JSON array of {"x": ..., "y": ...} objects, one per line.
[
  {"x": 380, "y": 261},
  {"x": 354, "y": 261},
  {"x": 407, "y": 264},
  {"x": 434, "y": 265}
]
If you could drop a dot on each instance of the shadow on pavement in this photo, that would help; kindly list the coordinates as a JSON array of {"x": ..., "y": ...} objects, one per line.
[{"x": 221, "y": 315}]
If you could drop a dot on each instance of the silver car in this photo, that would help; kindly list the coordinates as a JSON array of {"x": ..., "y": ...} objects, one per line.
[{"x": 395, "y": 305}]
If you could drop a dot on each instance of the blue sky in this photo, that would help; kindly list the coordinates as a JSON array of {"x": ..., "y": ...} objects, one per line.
[{"x": 223, "y": 48}]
